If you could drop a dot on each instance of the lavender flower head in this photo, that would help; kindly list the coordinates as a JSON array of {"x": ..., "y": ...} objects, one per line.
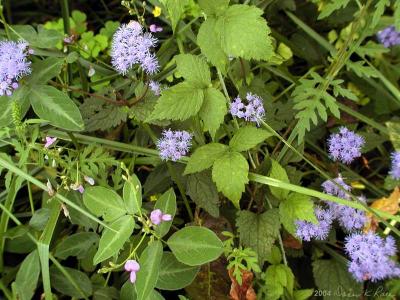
[
  {"x": 174, "y": 144},
  {"x": 370, "y": 256},
  {"x": 345, "y": 146},
  {"x": 157, "y": 217},
  {"x": 336, "y": 187},
  {"x": 13, "y": 65},
  {"x": 307, "y": 230},
  {"x": 395, "y": 169},
  {"x": 155, "y": 87},
  {"x": 132, "y": 266},
  {"x": 253, "y": 111},
  {"x": 130, "y": 46},
  {"x": 389, "y": 37}
]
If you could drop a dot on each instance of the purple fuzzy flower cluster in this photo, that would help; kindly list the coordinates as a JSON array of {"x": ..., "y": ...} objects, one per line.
[
  {"x": 131, "y": 46},
  {"x": 348, "y": 217},
  {"x": 155, "y": 87},
  {"x": 253, "y": 111},
  {"x": 345, "y": 146},
  {"x": 395, "y": 169},
  {"x": 174, "y": 144},
  {"x": 307, "y": 230},
  {"x": 370, "y": 256},
  {"x": 389, "y": 37},
  {"x": 13, "y": 65}
]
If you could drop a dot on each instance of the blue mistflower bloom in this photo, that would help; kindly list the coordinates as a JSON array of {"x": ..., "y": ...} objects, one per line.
[
  {"x": 131, "y": 46},
  {"x": 395, "y": 169},
  {"x": 13, "y": 65},
  {"x": 370, "y": 257},
  {"x": 174, "y": 144},
  {"x": 389, "y": 37},
  {"x": 345, "y": 146},
  {"x": 253, "y": 111},
  {"x": 307, "y": 230}
]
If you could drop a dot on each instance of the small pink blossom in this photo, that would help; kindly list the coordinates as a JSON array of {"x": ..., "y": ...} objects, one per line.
[
  {"x": 49, "y": 141},
  {"x": 132, "y": 266},
  {"x": 89, "y": 180},
  {"x": 157, "y": 216},
  {"x": 155, "y": 28},
  {"x": 78, "y": 187}
]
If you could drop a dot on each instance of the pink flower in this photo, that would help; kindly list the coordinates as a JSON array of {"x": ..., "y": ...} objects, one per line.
[
  {"x": 157, "y": 216},
  {"x": 77, "y": 187},
  {"x": 132, "y": 266},
  {"x": 155, "y": 28},
  {"x": 49, "y": 141}
]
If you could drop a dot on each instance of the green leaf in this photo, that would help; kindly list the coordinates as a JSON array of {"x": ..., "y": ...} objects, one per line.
[
  {"x": 61, "y": 283},
  {"x": 394, "y": 134},
  {"x": 210, "y": 45},
  {"x": 174, "y": 275},
  {"x": 175, "y": 9},
  {"x": 396, "y": 15},
  {"x": 167, "y": 204},
  {"x": 132, "y": 195},
  {"x": 380, "y": 7},
  {"x": 230, "y": 173},
  {"x": 204, "y": 157},
  {"x": 76, "y": 245},
  {"x": 104, "y": 202},
  {"x": 278, "y": 278},
  {"x": 277, "y": 172},
  {"x": 47, "y": 38},
  {"x": 203, "y": 192},
  {"x": 303, "y": 294},
  {"x": 147, "y": 277},
  {"x": 248, "y": 137},
  {"x": 56, "y": 107},
  {"x": 195, "y": 245},
  {"x": 296, "y": 207},
  {"x": 194, "y": 69},
  {"x": 331, "y": 276},
  {"x": 28, "y": 276},
  {"x": 258, "y": 231},
  {"x": 274, "y": 257},
  {"x": 44, "y": 70},
  {"x": 329, "y": 8},
  {"x": 214, "y": 7},
  {"x": 179, "y": 102},
  {"x": 21, "y": 96},
  {"x": 244, "y": 33},
  {"x": 213, "y": 110},
  {"x": 112, "y": 242}
]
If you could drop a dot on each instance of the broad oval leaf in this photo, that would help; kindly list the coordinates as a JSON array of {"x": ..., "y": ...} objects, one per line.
[
  {"x": 28, "y": 276},
  {"x": 149, "y": 269},
  {"x": 248, "y": 137},
  {"x": 194, "y": 69},
  {"x": 111, "y": 242},
  {"x": 56, "y": 107},
  {"x": 44, "y": 70},
  {"x": 21, "y": 97},
  {"x": 204, "y": 157},
  {"x": 195, "y": 245},
  {"x": 174, "y": 275},
  {"x": 132, "y": 194},
  {"x": 80, "y": 288},
  {"x": 76, "y": 245},
  {"x": 167, "y": 204},
  {"x": 104, "y": 202}
]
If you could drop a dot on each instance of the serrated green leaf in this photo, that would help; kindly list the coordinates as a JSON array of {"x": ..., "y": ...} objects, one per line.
[
  {"x": 210, "y": 45},
  {"x": 179, "y": 102},
  {"x": 244, "y": 33},
  {"x": 258, "y": 231},
  {"x": 278, "y": 278},
  {"x": 380, "y": 7},
  {"x": 174, "y": 275},
  {"x": 56, "y": 107},
  {"x": 213, "y": 110},
  {"x": 194, "y": 69},
  {"x": 104, "y": 202},
  {"x": 230, "y": 173},
  {"x": 27, "y": 276},
  {"x": 175, "y": 9},
  {"x": 76, "y": 245},
  {"x": 204, "y": 157},
  {"x": 333, "y": 5},
  {"x": 203, "y": 192},
  {"x": 248, "y": 137},
  {"x": 147, "y": 277},
  {"x": 337, "y": 278},
  {"x": 167, "y": 204},
  {"x": 111, "y": 242},
  {"x": 194, "y": 246},
  {"x": 132, "y": 195},
  {"x": 296, "y": 207},
  {"x": 278, "y": 172},
  {"x": 214, "y": 7}
]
